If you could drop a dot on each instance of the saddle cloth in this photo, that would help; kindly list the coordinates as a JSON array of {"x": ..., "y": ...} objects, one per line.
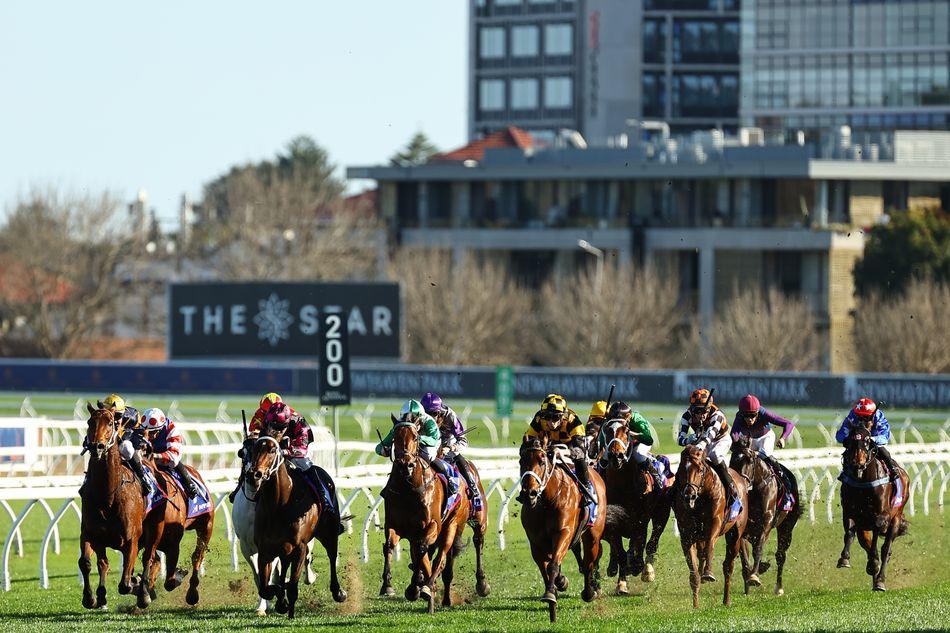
[
  {"x": 450, "y": 503},
  {"x": 591, "y": 508},
  {"x": 201, "y": 504},
  {"x": 785, "y": 500},
  {"x": 897, "y": 491}
]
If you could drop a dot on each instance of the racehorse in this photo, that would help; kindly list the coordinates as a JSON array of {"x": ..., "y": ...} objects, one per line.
[
  {"x": 700, "y": 507},
  {"x": 243, "y": 511},
  {"x": 414, "y": 505},
  {"x": 113, "y": 515},
  {"x": 642, "y": 500},
  {"x": 286, "y": 519},
  {"x": 555, "y": 522},
  {"x": 766, "y": 511},
  {"x": 866, "y": 493}
]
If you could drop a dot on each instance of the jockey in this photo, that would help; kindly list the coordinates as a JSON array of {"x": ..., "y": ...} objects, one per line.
[
  {"x": 131, "y": 438},
  {"x": 164, "y": 441},
  {"x": 710, "y": 431},
  {"x": 429, "y": 440},
  {"x": 453, "y": 440},
  {"x": 755, "y": 421},
  {"x": 640, "y": 437},
  {"x": 280, "y": 417},
  {"x": 595, "y": 420},
  {"x": 557, "y": 423},
  {"x": 253, "y": 431},
  {"x": 866, "y": 414}
]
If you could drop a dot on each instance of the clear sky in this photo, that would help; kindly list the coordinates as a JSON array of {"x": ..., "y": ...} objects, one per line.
[{"x": 164, "y": 96}]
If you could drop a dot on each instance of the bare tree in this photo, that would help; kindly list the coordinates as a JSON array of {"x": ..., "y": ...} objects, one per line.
[
  {"x": 470, "y": 313},
  {"x": 771, "y": 332},
  {"x": 59, "y": 254},
  {"x": 907, "y": 333},
  {"x": 633, "y": 321}
]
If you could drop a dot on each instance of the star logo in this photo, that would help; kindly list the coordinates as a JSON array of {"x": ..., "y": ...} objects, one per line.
[{"x": 273, "y": 319}]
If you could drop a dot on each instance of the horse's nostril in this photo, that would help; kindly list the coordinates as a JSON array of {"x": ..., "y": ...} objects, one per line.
[
  {"x": 101, "y": 446},
  {"x": 258, "y": 475}
]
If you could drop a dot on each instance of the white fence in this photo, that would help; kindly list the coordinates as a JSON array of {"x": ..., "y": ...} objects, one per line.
[{"x": 212, "y": 447}]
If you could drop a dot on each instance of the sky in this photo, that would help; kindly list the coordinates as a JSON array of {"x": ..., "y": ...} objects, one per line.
[{"x": 123, "y": 96}]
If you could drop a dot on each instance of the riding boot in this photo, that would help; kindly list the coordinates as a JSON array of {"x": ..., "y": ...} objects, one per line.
[
  {"x": 649, "y": 465},
  {"x": 888, "y": 461},
  {"x": 462, "y": 464},
  {"x": 237, "y": 488},
  {"x": 186, "y": 479},
  {"x": 732, "y": 494},
  {"x": 583, "y": 475},
  {"x": 136, "y": 467},
  {"x": 443, "y": 469}
]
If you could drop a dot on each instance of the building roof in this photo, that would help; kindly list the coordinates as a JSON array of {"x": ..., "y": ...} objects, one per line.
[
  {"x": 20, "y": 285},
  {"x": 508, "y": 138}
]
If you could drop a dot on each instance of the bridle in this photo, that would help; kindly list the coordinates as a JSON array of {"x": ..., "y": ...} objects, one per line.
[
  {"x": 113, "y": 438},
  {"x": 273, "y": 468},
  {"x": 860, "y": 440},
  {"x": 612, "y": 426},
  {"x": 548, "y": 472},
  {"x": 691, "y": 491}
]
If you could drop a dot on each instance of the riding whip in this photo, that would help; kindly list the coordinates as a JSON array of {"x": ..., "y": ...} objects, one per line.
[
  {"x": 244, "y": 421},
  {"x": 610, "y": 396}
]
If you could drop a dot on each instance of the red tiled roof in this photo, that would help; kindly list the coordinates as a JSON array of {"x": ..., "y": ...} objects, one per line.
[{"x": 510, "y": 137}]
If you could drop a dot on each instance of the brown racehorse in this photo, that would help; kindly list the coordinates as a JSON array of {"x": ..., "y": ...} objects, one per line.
[
  {"x": 765, "y": 512},
  {"x": 286, "y": 519},
  {"x": 866, "y": 505},
  {"x": 700, "y": 506},
  {"x": 554, "y": 522},
  {"x": 643, "y": 501},
  {"x": 479, "y": 524},
  {"x": 114, "y": 516},
  {"x": 414, "y": 503}
]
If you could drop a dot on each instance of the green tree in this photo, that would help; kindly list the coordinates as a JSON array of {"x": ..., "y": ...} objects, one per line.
[
  {"x": 915, "y": 244},
  {"x": 417, "y": 151}
]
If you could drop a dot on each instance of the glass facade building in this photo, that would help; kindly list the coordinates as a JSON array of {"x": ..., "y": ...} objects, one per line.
[{"x": 869, "y": 64}]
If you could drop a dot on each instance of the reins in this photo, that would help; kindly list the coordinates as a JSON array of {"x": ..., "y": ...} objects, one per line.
[
  {"x": 548, "y": 472},
  {"x": 274, "y": 467}
]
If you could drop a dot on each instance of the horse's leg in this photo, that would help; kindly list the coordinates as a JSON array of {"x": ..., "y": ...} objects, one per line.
[
  {"x": 845, "y": 559},
  {"x": 265, "y": 565},
  {"x": 130, "y": 551},
  {"x": 784, "y": 541},
  {"x": 389, "y": 543},
  {"x": 203, "y": 532},
  {"x": 591, "y": 556},
  {"x": 745, "y": 555},
  {"x": 445, "y": 543},
  {"x": 330, "y": 540},
  {"x": 874, "y": 561},
  {"x": 448, "y": 573},
  {"x": 173, "y": 576},
  {"x": 661, "y": 517},
  {"x": 149, "y": 558},
  {"x": 298, "y": 561},
  {"x": 85, "y": 568},
  {"x": 864, "y": 539},
  {"x": 637, "y": 543},
  {"x": 886, "y": 552},
  {"x": 153, "y": 576},
  {"x": 280, "y": 583},
  {"x": 689, "y": 551},
  {"x": 102, "y": 562},
  {"x": 251, "y": 558},
  {"x": 733, "y": 543},
  {"x": 757, "y": 549},
  {"x": 478, "y": 538},
  {"x": 618, "y": 560},
  {"x": 416, "y": 552},
  {"x": 712, "y": 535}
]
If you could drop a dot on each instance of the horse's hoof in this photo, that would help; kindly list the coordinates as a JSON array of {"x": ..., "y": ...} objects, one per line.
[
  {"x": 192, "y": 596},
  {"x": 412, "y": 593},
  {"x": 171, "y": 584},
  {"x": 281, "y": 606},
  {"x": 708, "y": 577},
  {"x": 549, "y": 597},
  {"x": 622, "y": 588},
  {"x": 754, "y": 581},
  {"x": 430, "y": 608},
  {"x": 125, "y": 589},
  {"x": 482, "y": 588},
  {"x": 649, "y": 574},
  {"x": 779, "y": 591},
  {"x": 425, "y": 591},
  {"x": 764, "y": 566},
  {"x": 261, "y": 613},
  {"x": 143, "y": 600},
  {"x": 844, "y": 563},
  {"x": 89, "y": 602},
  {"x": 340, "y": 596},
  {"x": 587, "y": 595},
  {"x": 879, "y": 586},
  {"x": 387, "y": 591},
  {"x": 552, "y": 612},
  {"x": 152, "y": 593},
  {"x": 561, "y": 583}
]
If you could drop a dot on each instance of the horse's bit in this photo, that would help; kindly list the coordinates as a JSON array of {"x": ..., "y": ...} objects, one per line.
[{"x": 548, "y": 472}]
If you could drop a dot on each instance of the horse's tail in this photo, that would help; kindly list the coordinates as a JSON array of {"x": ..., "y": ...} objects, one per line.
[
  {"x": 459, "y": 546},
  {"x": 903, "y": 527},
  {"x": 616, "y": 519}
]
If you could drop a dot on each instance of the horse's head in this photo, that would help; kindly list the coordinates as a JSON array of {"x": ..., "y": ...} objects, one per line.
[
  {"x": 265, "y": 458},
  {"x": 858, "y": 451},
  {"x": 536, "y": 470},
  {"x": 617, "y": 438},
  {"x": 405, "y": 443},
  {"x": 743, "y": 456},
  {"x": 693, "y": 469},
  {"x": 103, "y": 429}
]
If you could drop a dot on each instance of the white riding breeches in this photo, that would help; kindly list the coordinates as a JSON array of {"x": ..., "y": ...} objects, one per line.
[
  {"x": 431, "y": 451},
  {"x": 765, "y": 444},
  {"x": 718, "y": 451},
  {"x": 126, "y": 450},
  {"x": 641, "y": 453}
]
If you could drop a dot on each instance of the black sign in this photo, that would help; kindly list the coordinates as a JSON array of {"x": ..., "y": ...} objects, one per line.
[
  {"x": 253, "y": 320},
  {"x": 334, "y": 361}
]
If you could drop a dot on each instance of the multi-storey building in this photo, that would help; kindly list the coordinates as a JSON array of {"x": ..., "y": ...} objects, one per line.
[
  {"x": 599, "y": 66},
  {"x": 822, "y": 64},
  {"x": 714, "y": 212}
]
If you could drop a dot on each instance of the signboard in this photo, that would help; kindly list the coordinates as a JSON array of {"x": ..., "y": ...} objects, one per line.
[
  {"x": 504, "y": 389},
  {"x": 254, "y": 320},
  {"x": 334, "y": 361}
]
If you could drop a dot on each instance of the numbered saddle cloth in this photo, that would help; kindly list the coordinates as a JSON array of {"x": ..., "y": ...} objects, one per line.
[
  {"x": 198, "y": 505},
  {"x": 450, "y": 503}
]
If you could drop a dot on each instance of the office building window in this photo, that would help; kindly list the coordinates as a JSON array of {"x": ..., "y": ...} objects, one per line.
[
  {"x": 507, "y": 3},
  {"x": 558, "y": 92},
  {"x": 558, "y": 39},
  {"x": 491, "y": 94},
  {"x": 524, "y": 41},
  {"x": 491, "y": 42},
  {"x": 524, "y": 94},
  {"x": 654, "y": 41},
  {"x": 654, "y": 94}
]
